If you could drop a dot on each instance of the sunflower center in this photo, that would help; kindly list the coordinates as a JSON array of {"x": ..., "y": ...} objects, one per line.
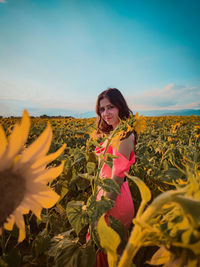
[{"x": 13, "y": 188}]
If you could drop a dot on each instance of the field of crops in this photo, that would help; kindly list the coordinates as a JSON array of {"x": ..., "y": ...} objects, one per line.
[{"x": 164, "y": 182}]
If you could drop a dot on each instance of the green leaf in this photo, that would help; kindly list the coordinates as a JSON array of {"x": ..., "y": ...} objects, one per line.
[
  {"x": 96, "y": 208},
  {"x": 109, "y": 185},
  {"x": 80, "y": 158},
  {"x": 41, "y": 243},
  {"x": 109, "y": 160},
  {"x": 81, "y": 184},
  {"x": 118, "y": 226},
  {"x": 60, "y": 241},
  {"x": 86, "y": 176},
  {"x": 87, "y": 256},
  {"x": 67, "y": 252},
  {"x": 173, "y": 173},
  {"x": 68, "y": 256},
  {"x": 165, "y": 165},
  {"x": 91, "y": 166},
  {"x": 91, "y": 156},
  {"x": 64, "y": 190},
  {"x": 77, "y": 215},
  {"x": 95, "y": 238},
  {"x": 144, "y": 190}
]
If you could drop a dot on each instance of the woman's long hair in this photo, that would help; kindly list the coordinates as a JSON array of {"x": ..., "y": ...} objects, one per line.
[{"x": 116, "y": 98}]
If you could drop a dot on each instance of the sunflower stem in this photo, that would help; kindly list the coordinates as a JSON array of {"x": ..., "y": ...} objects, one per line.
[
  {"x": 47, "y": 223},
  {"x": 6, "y": 243}
]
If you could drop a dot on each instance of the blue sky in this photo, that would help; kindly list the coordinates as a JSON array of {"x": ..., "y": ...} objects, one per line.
[{"x": 56, "y": 56}]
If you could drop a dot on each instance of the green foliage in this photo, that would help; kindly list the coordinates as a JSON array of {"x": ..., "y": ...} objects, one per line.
[
  {"x": 68, "y": 252},
  {"x": 96, "y": 208},
  {"x": 109, "y": 160},
  {"x": 77, "y": 216},
  {"x": 41, "y": 243},
  {"x": 109, "y": 185},
  {"x": 161, "y": 153},
  {"x": 118, "y": 226}
]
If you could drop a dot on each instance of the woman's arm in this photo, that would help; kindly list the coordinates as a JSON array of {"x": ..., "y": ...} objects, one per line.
[{"x": 125, "y": 148}]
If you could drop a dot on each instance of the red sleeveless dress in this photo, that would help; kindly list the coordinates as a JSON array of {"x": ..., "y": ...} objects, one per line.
[{"x": 123, "y": 208}]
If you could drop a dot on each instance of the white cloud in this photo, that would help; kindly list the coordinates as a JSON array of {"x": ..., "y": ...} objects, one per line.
[{"x": 170, "y": 97}]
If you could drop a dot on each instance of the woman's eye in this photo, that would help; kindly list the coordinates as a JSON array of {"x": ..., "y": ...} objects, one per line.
[
  {"x": 110, "y": 107},
  {"x": 101, "y": 109}
]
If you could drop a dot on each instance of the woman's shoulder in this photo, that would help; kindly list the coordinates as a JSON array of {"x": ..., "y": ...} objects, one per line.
[{"x": 127, "y": 146}]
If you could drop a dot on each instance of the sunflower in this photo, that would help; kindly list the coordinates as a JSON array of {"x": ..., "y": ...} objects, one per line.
[
  {"x": 175, "y": 127},
  {"x": 140, "y": 123},
  {"x": 24, "y": 176}
]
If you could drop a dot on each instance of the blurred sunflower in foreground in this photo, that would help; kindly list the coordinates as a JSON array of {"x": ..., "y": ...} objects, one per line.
[{"x": 24, "y": 176}]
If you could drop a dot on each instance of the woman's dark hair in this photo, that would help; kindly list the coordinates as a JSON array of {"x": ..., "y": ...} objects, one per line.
[{"x": 116, "y": 98}]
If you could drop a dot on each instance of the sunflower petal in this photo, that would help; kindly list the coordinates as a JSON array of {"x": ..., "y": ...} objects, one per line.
[
  {"x": 22, "y": 235},
  {"x": 9, "y": 225},
  {"x": 50, "y": 174},
  {"x": 21, "y": 225},
  {"x": 47, "y": 199},
  {"x": 3, "y": 141},
  {"x": 47, "y": 159},
  {"x": 39, "y": 147},
  {"x": 18, "y": 137},
  {"x": 34, "y": 206}
]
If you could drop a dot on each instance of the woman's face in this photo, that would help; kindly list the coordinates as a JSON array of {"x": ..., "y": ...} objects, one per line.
[{"x": 109, "y": 112}]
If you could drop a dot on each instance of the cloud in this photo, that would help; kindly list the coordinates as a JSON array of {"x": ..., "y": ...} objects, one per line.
[
  {"x": 170, "y": 97},
  {"x": 2, "y": 1},
  {"x": 193, "y": 105}
]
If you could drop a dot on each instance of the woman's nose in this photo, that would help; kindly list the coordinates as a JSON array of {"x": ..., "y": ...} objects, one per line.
[{"x": 106, "y": 111}]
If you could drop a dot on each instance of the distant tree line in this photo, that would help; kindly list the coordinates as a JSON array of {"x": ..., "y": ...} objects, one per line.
[{"x": 42, "y": 117}]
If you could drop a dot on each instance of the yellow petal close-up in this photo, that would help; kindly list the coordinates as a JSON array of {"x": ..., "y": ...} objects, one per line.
[
  {"x": 18, "y": 136},
  {"x": 22, "y": 234},
  {"x": 47, "y": 198},
  {"x": 21, "y": 225},
  {"x": 39, "y": 147},
  {"x": 50, "y": 174},
  {"x": 34, "y": 205},
  {"x": 10, "y": 223},
  {"x": 49, "y": 158}
]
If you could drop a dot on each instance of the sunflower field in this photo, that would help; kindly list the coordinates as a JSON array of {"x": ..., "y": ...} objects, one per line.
[{"x": 49, "y": 179}]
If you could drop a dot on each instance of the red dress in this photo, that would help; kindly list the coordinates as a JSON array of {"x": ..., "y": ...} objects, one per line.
[{"x": 123, "y": 208}]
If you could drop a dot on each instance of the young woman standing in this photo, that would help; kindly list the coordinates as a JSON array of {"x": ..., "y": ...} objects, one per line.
[{"x": 111, "y": 106}]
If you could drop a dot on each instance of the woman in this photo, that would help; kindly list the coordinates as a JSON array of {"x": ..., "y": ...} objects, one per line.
[{"x": 111, "y": 106}]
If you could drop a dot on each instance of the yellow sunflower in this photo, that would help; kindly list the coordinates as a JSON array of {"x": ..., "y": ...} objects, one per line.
[
  {"x": 175, "y": 127},
  {"x": 93, "y": 135},
  {"x": 140, "y": 123},
  {"x": 24, "y": 176}
]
